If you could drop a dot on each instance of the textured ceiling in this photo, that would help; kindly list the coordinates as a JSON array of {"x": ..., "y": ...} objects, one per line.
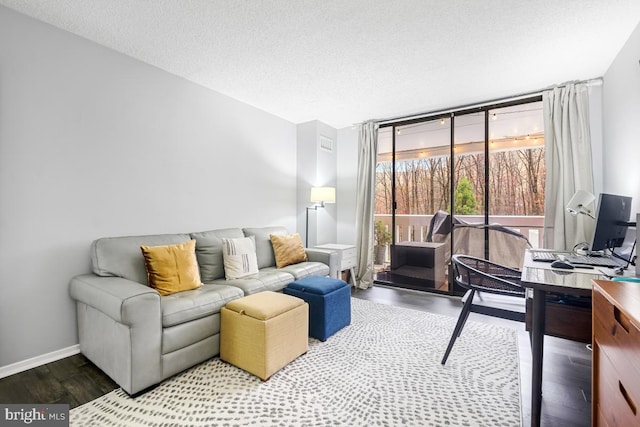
[{"x": 345, "y": 61}]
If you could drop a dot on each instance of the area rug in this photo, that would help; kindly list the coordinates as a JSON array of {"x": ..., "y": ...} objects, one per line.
[{"x": 382, "y": 370}]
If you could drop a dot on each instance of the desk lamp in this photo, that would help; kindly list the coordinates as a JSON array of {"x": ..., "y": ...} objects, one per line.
[
  {"x": 579, "y": 201},
  {"x": 319, "y": 195}
]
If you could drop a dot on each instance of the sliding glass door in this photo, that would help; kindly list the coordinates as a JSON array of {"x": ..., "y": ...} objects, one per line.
[
  {"x": 413, "y": 182},
  {"x": 464, "y": 182},
  {"x": 469, "y": 184}
]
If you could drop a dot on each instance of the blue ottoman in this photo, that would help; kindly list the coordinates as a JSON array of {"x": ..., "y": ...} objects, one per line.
[{"x": 329, "y": 304}]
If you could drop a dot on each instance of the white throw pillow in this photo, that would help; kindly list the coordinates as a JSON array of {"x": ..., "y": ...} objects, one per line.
[{"x": 239, "y": 257}]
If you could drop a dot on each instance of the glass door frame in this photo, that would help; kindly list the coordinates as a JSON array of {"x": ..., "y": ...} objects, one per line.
[{"x": 451, "y": 115}]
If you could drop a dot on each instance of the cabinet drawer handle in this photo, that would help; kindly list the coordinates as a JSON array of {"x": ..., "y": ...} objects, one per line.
[
  {"x": 621, "y": 319},
  {"x": 627, "y": 398}
]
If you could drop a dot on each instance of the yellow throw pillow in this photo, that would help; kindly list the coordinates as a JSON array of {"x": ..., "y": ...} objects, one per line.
[
  {"x": 172, "y": 268},
  {"x": 288, "y": 249}
]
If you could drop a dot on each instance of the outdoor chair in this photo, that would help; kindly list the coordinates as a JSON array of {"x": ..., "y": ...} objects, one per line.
[
  {"x": 507, "y": 245},
  {"x": 479, "y": 275}
]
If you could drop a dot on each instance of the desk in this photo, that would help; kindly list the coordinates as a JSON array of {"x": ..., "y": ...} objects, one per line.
[{"x": 541, "y": 278}]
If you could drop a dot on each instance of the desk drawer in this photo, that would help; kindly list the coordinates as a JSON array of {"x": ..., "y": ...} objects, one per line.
[
  {"x": 556, "y": 324},
  {"x": 619, "y": 347},
  {"x": 602, "y": 421},
  {"x": 618, "y": 338},
  {"x": 348, "y": 259},
  {"x": 618, "y": 399}
]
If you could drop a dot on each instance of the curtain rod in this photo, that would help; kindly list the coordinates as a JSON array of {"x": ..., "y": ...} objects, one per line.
[{"x": 597, "y": 81}]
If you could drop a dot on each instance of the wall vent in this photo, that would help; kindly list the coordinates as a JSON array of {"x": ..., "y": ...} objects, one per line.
[{"x": 326, "y": 144}]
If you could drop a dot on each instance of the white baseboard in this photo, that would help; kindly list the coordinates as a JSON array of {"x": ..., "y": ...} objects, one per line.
[{"x": 34, "y": 362}]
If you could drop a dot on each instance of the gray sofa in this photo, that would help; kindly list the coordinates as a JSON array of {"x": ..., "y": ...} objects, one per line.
[{"x": 140, "y": 338}]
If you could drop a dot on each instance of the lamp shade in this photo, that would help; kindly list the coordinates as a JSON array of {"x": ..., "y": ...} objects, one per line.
[
  {"x": 323, "y": 194},
  {"x": 579, "y": 201}
]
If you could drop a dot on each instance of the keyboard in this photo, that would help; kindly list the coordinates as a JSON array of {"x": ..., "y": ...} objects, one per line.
[
  {"x": 543, "y": 256},
  {"x": 595, "y": 261}
]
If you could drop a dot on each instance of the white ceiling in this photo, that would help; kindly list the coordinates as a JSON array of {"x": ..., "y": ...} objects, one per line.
[{"x": 346, "y": 61}]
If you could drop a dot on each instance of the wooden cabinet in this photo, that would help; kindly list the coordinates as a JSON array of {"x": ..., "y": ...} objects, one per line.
[{"x": 616, "y": 354}]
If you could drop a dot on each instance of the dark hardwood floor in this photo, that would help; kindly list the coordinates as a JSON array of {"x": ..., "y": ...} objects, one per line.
[
  {"x": 566, "y": 384},
  {"x": 73, "y": 380}
]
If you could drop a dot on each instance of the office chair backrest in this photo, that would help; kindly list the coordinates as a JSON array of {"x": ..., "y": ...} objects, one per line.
[{"x": 486, "y": 276}]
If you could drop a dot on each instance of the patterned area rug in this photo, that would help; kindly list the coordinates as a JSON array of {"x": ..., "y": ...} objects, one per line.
[{"x": 384, "y": 369}]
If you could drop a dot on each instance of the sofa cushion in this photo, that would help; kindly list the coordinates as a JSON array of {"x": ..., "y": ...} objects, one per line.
[
  {"x": 264, "y": 249},
  {"x": 184, "y": 335},
  {"x": 239, "y": 257},
  {"x": 172, "y": 268},
  {"x": 209, "y": 251},
  {"x": 304, "y": 269},
  {"x": 121, "y": 256},
  {"x": 267, "y": 279},
  {"x": 287, "y": 249},
  {"x": 190, "y": 305}
]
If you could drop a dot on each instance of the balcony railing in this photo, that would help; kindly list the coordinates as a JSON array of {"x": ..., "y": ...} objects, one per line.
[{"x": 416, "y": 227}]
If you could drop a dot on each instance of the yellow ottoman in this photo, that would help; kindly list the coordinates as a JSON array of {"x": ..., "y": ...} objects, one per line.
[{"x": 261, "y": 333}]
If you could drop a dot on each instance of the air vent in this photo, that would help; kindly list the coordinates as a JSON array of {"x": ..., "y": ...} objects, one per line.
[{"x": 326, "y": 144}]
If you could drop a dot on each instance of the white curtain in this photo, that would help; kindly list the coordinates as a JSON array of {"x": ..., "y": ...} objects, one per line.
[
  {"x": 568, "y": 163},
  {"x": 365, "y": 201}
]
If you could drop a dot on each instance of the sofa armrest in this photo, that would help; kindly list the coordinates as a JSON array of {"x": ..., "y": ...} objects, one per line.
[
  {"x": 326, "y": 256},
  {"x": 123, "y": 300},
  {"x": 120, "y": 329}
]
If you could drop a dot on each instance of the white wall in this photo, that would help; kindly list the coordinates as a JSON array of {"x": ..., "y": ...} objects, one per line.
[
  {"x": 94, "y": 143},
  {"x": 621, "y": 127},
  {"x": 347, "y": 179},
  {"x": 316, "y": 168}
]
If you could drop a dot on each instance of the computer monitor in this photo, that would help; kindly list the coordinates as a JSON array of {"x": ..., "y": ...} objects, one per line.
[{"x": 611, "y": 222}]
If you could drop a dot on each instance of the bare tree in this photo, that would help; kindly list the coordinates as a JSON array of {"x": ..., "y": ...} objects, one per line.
[{"x": 516, "y": 182}]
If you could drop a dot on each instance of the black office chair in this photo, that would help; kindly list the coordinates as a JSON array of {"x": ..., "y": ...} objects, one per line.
[{"x": 476, "y": 274}]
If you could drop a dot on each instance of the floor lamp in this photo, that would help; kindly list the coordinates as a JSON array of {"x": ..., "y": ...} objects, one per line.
[{"x": 320, "y": 196}]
